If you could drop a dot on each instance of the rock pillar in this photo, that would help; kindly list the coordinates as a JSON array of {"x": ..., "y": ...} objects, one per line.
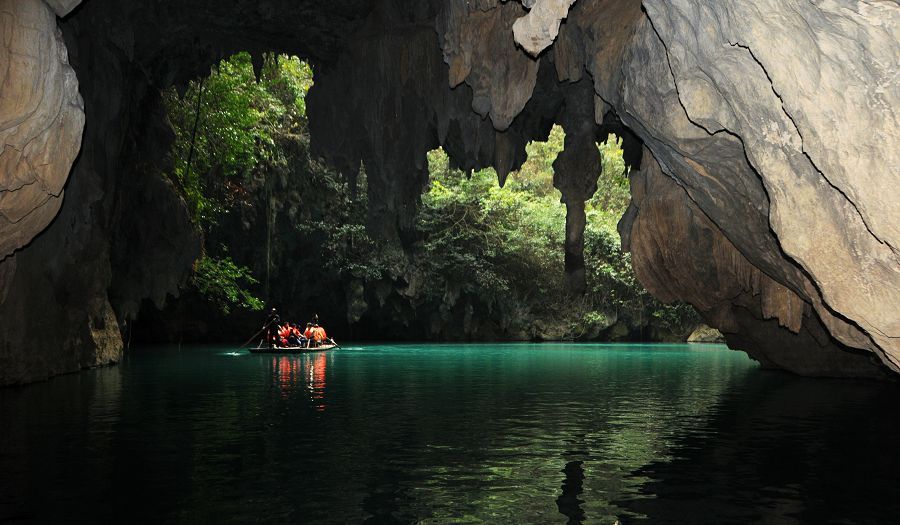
[
  {"x": 576, "y": 279},
  {"x": 575, "y": 174}
]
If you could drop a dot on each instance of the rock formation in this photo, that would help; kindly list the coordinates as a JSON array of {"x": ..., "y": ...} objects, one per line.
[
  {"x": 766, "y": 131},
  {"x": 729, "y": 138},
  {"x": 121, "y": 234},
  {"x": 679, "y": 253},
  {"x": 706, "y": 334},
  {"x": 575, "y": 173},
  {"x": 41, "y": 119},
  {"x": 538, "y": 29}
]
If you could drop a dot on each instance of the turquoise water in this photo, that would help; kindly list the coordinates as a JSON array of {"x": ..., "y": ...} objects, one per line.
[{"x": 510, "y": 433}]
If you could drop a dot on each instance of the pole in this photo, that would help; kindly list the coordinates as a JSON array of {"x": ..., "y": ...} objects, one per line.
[{"x": 254, "y": 336}]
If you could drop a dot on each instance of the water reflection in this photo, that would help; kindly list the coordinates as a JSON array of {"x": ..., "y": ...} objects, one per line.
[
  {"x": 572, "y": 487},
  {"x": 480, "y": 432},
  {"x": 42, "y": 426},
  {"x": 450, "y": 434},
  {"x": 307, "y": 371},
  {"x": 782, "y": 449}
]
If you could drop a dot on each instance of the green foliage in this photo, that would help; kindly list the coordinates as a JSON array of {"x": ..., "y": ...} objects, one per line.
[
  {"x": 612, "y": 196},
  {"x": 611, "y": 279},
  {"x": 238, "y": 123},
  {"x": 479, "y": 251},
  {"x": 479, "y": 239},
  {"x": 503, "y": 248},
  {"x": 536, "y": 174},
  {"x": 222, "y": 282},
  {"x": 236, "y": 131},
  {"x": 291, "y": 83}
]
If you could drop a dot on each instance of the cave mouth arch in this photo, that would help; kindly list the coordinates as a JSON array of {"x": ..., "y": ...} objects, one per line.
[
  {"x": 267, "y": 210},
  {"x": 409, "y": 76}
]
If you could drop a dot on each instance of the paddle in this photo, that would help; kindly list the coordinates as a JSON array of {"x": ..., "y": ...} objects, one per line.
[{"x": 253, "y": 336}]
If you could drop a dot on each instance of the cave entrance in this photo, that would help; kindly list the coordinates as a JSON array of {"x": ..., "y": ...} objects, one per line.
[
  {"x": 405, "y": 77},
  {"x": 506, "y": 274},
  {"x": 282, "y": 228},
  {"x": 269, "y": 213}
]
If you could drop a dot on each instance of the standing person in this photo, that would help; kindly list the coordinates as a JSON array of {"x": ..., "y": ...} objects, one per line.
[{"x": 271, "y": 326}]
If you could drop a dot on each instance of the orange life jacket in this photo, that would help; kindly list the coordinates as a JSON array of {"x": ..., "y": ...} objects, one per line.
[
  {"x": 284, "y": 331},
  {"x": 308, "y": 333},
  {"x": 319, "y": 333}
]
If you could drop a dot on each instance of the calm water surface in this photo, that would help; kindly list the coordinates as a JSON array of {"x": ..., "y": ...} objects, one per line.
[{"x": 517, "y": 433}]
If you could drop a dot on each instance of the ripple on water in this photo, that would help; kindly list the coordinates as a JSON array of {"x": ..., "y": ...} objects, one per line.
[{"x": 448, "y": 434}]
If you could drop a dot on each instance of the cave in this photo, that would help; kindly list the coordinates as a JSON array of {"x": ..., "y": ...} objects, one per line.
[{"x": 762, "y": 189}]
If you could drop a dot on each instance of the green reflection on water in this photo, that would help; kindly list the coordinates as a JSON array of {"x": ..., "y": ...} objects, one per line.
[{"x": 428, "y": 433}]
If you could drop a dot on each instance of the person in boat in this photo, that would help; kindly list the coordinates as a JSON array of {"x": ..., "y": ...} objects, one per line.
[
  {"x": 308, "y": 334},
  {"x": 295, "y": 338},
  {"x": 284, "y": 333},
  {"x": 301, "y": 339},
  {"x": 319, "y": 334},
  {"x": 271, "y": 327},
  {"x": 288, "y": 334}
]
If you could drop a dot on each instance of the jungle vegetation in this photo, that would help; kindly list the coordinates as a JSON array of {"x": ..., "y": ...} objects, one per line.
[{"x": 282, "y": 228}]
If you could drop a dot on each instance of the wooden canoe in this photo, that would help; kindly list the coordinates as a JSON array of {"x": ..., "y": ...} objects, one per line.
[{"x": 262, "y": 349}]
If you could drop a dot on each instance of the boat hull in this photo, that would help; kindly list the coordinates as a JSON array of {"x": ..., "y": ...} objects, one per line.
[{"x": 290, "y": 349}]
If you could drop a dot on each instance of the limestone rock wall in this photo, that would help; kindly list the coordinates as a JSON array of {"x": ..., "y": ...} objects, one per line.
[
  {"x": 413, "y": 104},
  {"x": 475, "y": 41},
  {"x": 680, "y": 254},
  {"x": 727, "y": 134},
  {"x": 41, "y": 120},
  {"x": 538, "y": 29},
  {"x": 122, "y": 233},
  {"x": 778, "y": 121}
]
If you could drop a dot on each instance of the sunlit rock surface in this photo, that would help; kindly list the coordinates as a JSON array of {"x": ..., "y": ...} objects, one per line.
[
  {"x": 706, "y": 334},
  {"x": 538, "y": 29},
  {"x": 720, "y": 122},
  {"x": 41, "y": 119},
  {"x": 475, "y": 42},
  {"x": 765, "y": 196},
  {"x": 679, "y": 253},
  {"x": 808, "y": 93}
]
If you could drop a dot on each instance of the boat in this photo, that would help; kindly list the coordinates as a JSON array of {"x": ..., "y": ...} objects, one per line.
[{"x": 265, "y": 349}]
